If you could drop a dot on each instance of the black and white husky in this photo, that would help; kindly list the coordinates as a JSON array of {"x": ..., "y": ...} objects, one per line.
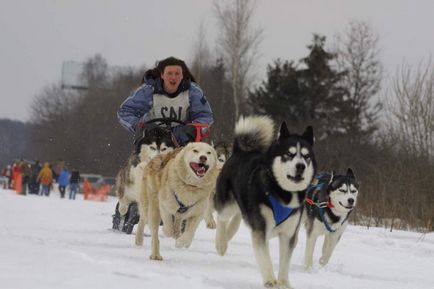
[
  {"x": 329, "y": 202},
  {"x": 265, "y": 182},
  {"x": 129, "y": 180}
]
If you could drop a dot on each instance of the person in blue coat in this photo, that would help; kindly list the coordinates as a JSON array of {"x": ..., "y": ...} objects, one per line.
[
  {"x": 63, "y": 181},
  {"x": 167, "y": 91}
]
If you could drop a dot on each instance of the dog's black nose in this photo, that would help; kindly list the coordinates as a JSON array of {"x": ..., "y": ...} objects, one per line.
[
  {"x": 300, "y": 167},
  {"x": 202, "y": 159},
  {"x": 351, "y": 201}
]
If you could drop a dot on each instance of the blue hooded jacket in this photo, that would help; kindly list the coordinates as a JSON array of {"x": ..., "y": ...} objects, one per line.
[
  {"x": 63, "y": 179},
  {"x": 136, "y": 107}
]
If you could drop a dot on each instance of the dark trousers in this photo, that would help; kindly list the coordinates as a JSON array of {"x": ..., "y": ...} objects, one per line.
[{"x": 62, "y": 191}]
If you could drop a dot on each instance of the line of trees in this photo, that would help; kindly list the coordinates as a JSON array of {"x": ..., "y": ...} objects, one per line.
[{"x": 387, "y": 139}]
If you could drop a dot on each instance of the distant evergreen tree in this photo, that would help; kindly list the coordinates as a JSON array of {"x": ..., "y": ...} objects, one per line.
[
  {"x": 279, "y": 95},
  {"x": 325, "y": 100},
  {"x": 307, "y": 95}
]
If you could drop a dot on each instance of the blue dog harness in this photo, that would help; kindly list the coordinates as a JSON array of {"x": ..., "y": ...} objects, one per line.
[
  {"x": 321, "y": 187},
  {"x": 280, "y": 212}
]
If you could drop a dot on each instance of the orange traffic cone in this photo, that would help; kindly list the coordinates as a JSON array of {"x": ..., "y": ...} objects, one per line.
[{"x": 86, "y": 189}]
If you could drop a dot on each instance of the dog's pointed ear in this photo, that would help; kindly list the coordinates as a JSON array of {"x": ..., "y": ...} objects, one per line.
[
  {"x": 283, "y": 131},
  {"x": 308, "y": 135},
  {"x": 350, "y": 174}
]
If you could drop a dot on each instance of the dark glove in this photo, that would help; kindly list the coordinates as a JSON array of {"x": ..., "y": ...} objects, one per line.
[
  {"x": 190, "y": 132},
  {"x": 184, "y": 134}
]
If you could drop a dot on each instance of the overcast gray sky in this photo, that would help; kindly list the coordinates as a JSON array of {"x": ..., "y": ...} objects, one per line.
[{"x": 37, "y": 36}]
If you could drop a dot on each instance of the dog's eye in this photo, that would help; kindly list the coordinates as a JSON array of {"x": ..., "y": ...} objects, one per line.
[
  {"x": 342, "y": 191},
  {"x": 208, "y": 153},
  {"x": 221, "y": 160},
  {"x": 353, "y": 191},
  {"x": 153, "y": 149},
  {"x": 163, "y": 149},
  {"x": 307, "y": 156},
  {"x": 288, "y": 156},
  {"x": 195, "y": 151}
]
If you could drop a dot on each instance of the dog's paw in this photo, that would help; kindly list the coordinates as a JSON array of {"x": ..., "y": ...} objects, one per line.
[
  {"x": 139, "y": 240},
  {"x": 183, "y": 242},
  {"x": 210, "y": 224},
  {"x": 221, "y": 248},
  {"x": 156, "y": 257},
  {"x": 271, "y": 284},
  {"x": 283, "y": 284},
  {"x": 323, "y": 261}
]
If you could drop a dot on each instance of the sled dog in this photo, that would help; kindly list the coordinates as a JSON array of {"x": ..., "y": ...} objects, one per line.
[
  {"x": 330, "y": 200},
  {"x": 129, "y": 180},
  {"x": 177, "y": 188},
  {"x": 265, "y": 182},
  {"x": 223, "y": 151}
]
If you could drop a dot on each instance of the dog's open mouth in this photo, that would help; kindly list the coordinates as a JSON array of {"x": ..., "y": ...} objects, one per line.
[
  {"x": 346, "y": 207},
  {"x": 296, "y": 178},
  {"x": 199, "y": 169}
]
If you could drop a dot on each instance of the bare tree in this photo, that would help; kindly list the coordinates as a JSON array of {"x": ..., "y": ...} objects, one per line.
[
  {"x": 411, "y": 108},
  {"x": 201, "y": 54},
  {"x": 82, "y": 127},
  {"x": 239, "y": 44},
  {"x": 358, "y": 54},
  {"x": 50, "y": 119}
]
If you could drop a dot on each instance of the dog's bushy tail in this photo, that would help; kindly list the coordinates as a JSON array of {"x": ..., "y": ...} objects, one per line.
[{"x": 253, "y": 133}]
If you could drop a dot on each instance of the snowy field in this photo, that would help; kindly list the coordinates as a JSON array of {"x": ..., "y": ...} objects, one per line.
[{"x": 58, "y": 243}]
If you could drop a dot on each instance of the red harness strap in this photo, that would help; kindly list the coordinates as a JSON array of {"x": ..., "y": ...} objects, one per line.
[
  {"x": 311, "y": 202},
  {"x": 198, "y": 127}
]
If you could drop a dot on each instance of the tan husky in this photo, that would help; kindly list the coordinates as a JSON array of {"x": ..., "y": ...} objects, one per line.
[{"x": 177, "y": 189}]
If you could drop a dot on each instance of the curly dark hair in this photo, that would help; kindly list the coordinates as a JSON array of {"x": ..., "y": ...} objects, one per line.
[{"x": 161, "y": 65}]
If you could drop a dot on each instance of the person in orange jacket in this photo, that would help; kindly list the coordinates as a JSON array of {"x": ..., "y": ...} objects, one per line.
[
  {"x": 45, "y": 177},
  {"x": 17, "y": 178}
]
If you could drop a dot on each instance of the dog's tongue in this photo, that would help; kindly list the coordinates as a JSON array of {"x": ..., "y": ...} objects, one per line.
[{"x": 200, "y": 170}]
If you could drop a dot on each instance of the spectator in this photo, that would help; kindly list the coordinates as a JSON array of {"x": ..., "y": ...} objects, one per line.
[
  {"x": 73, "y": 183},
  {"x": 25, "y": 171},
  {"x": 33, "y": 181},
  {"x": 8, "y": 175},
  {"x": 63, "y": 180},
  {"x": 59, "y": 167},
  {"x": 17, "y": 178},
  {"x": 45, "y": 177}
]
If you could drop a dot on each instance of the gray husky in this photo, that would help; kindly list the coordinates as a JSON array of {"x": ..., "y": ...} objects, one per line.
[
  {"x": 265, "y": 182},
  {"x": 129, "y": 181},
  {"x": 329, "y": 202}
]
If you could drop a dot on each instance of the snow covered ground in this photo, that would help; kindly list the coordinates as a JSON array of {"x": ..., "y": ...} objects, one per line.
[{"x": 58, "y": 243}]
